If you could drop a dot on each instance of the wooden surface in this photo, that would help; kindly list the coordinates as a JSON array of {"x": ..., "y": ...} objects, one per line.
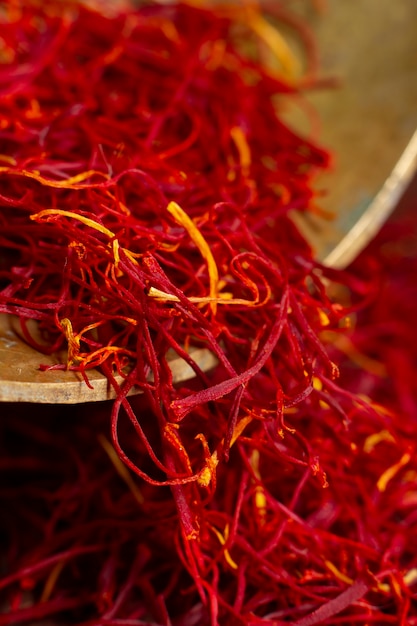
[
  {"x": 22, "y": 381},
  {"x": 368, "y": 121}
]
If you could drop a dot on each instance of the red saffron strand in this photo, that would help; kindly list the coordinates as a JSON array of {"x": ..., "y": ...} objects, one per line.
[{"x": 147, "y": 184}]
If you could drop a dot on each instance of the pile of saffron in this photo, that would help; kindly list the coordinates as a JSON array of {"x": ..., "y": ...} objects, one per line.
[{"x": 147, "y": 186}]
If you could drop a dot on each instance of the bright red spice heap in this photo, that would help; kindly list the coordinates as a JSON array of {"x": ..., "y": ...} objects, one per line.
[{"x": 146, "y": 185}]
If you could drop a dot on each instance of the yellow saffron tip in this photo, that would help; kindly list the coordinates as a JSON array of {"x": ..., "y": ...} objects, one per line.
[
  {"x": 338, "y": 573},
  {"x": 290, "y": 64},
  {"x": 324, "y": 318},
  {"x": 317, "y": 383},
  {"x": 389, "y": 474},
  {"x": 72, "y": 340},
  {"x": 373, "y": 440},
  {"x": 243, "y": 148},
  {"x": 76, "y": 216},
  {"x": 7, "y": 159},
  {"x": 51, "y": 581},
  {"x": 120, "y": 468},
  {"x": 223, "y": 540},
  {"x": 410, "y": 577},
  {"x": 184, "y": 220},
  {"x": 87, "y": 221},
  {"x": 73, "y": 182}
]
